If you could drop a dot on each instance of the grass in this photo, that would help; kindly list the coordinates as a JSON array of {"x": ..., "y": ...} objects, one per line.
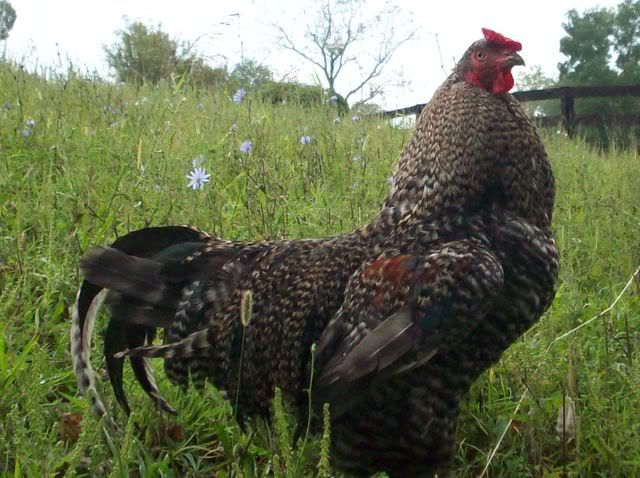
[{"x": 103, "y": 159}]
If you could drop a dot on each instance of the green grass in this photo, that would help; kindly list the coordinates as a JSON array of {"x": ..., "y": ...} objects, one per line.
[{"x": 102, "y": 160}]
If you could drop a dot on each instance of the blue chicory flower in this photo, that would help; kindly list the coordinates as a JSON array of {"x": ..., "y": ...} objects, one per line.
[
  {"x": 246, "y": 147},
  {"x": 239, "y": 95}
]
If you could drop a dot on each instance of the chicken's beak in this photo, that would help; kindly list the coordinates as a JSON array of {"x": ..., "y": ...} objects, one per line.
[{"x": 513, "y": 59}]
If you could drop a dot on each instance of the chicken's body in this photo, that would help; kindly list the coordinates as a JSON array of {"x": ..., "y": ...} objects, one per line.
[
  {"x": 406, "y": 311},
  {"x": 405, "y": 425}
]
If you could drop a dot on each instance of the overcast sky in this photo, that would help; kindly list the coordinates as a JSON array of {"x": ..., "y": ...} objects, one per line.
[{"x": 78, "y": 30}]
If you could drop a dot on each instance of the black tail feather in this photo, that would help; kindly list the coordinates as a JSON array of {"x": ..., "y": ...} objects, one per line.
[
  {"x": 135, "y": 311},
  {"x": 142, "y": 243},
  {"x": 114, "y": 341},
  {"x": 121, "y": 335},
  {"x": 135, "y": 276},
  {"x": 140, "y": 336}
]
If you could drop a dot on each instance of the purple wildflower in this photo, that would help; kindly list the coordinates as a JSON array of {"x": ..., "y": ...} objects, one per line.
[
  {"x": 246, "y": 147},
  {"x": 239, "y": 95},
  {"x": 197, "y": 178}
]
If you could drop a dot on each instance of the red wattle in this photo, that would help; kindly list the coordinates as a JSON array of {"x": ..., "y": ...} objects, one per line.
[
  {"x": 500, "y": 85},
  {"x": 503, "y": 83}
]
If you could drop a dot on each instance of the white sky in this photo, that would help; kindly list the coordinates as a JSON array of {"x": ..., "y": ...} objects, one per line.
[{"x": 78, "y": 29}]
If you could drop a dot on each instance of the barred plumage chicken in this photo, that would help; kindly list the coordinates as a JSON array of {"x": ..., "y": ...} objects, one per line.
[{"x": 406, "y": 311}]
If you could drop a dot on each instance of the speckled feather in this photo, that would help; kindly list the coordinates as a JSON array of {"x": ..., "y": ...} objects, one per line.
[{"x": 407, "y": 311}]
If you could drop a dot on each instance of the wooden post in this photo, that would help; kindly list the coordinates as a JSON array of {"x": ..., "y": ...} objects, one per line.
[{"x": 568, "y": 111}]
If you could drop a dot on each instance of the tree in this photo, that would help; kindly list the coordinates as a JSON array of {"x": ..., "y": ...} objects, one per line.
[
  {"x": 602, "y": 47},
  {"x": 143, "y": 54},
  {"x": 343, "y": 37},
  {"x": 536, "y": 79},
  {"x": 202, "y": 75},
  {"x": 594, "y": 38},
  {"x": 148, "y": 55},
  {"x": 627, "y": 34},
  {"x": 587, "y": 46},
  {"x": 251, "y": 75},
  {"x": 7, "y": 19},
  {"x": 286, "y": 91}
]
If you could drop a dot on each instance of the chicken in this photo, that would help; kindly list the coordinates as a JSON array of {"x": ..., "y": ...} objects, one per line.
[{"x": 406, "y": 311}]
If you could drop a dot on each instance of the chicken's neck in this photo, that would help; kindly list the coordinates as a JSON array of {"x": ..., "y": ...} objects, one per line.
[{"x": 499, "y": 165}]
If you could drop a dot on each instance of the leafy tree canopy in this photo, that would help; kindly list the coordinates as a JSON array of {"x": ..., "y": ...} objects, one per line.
[
  {"x": 143, "y": 54},
  {"x": 146, "y": 54},
  {"x": 251, "y": 75},
  {"x": 7, "y": 19},
  {"x": 602, "y": 45}
]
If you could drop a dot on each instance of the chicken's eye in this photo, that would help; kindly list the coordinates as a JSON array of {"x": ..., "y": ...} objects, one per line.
[{"x": 480, "y": 55}]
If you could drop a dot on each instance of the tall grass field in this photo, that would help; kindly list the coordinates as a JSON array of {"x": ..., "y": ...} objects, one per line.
[{"x": 82, "y": 162}]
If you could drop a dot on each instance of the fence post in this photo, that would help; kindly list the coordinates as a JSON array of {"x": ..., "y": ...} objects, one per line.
[{"x": 568, "y": 111}]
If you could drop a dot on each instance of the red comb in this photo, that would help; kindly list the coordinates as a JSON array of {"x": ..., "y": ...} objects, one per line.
[{"x": 495, "y": 37}]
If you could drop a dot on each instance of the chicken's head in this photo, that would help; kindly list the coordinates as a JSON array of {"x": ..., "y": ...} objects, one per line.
[{"x": 488, "y": 62}]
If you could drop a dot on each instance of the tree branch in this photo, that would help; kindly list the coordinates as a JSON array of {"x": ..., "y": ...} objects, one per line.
[
  {"x": 383, "y": 58},
  {"x": 289, "y": 45},
  {"x": 332, "y": 37}
]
